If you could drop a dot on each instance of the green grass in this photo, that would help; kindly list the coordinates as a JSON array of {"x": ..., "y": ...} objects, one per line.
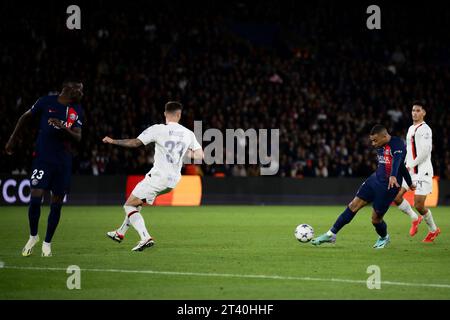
[{"x": 240, "y": 240}]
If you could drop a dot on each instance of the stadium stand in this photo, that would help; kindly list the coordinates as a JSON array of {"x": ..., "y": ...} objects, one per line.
[{"x": 314, "y": 72}]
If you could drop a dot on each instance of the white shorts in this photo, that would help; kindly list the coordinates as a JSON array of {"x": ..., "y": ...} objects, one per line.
[
  {"x": 424, "y": 186},
  {"x": 150, "y": 187}
]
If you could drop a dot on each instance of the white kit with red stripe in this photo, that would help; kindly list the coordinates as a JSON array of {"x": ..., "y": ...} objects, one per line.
[
  {"x": 419, "y": 144},
  {"x": 172, "y": 141}
]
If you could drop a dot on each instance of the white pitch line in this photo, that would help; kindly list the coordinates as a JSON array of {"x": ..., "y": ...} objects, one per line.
[{"x": 245, "y": 276}]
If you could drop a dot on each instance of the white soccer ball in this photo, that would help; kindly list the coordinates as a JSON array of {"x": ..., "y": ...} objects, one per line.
[{"x": 304, "y": 233}]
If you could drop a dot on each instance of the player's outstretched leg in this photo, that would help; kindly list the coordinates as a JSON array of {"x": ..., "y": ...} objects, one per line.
[
  {"x": 330, "y": 236},
  {"x": 381, "y": 228},
  {"x": 345, "y": 218},
  {"x": 34, "y": 212}
]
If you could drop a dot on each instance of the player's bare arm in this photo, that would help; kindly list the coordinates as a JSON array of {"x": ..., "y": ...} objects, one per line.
[
  {"x": 127, "y": 143},
  {"x": 24, "y": 118},
  {"x": 75, "y": 133}
]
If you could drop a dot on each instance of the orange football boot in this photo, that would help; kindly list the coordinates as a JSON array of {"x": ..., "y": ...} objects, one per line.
[
  {"x": 415, "y": 226},
  {"x": 432, "y": 235}
]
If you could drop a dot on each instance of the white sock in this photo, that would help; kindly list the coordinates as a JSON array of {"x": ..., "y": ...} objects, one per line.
[
  {"x": 406, "y": 208},
  {"x": 329, "y": 233},
  {"x": 34, "y": 237},
  {"x": 46, "y": 244},
  {"x": 430, "y": 221},
  {"x": 137, "y": 221},
  {"x": 122, "y": 230},
  {"x": 124, "y": 227}
]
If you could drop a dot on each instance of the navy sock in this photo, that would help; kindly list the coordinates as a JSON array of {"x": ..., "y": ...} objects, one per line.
[
  {"x": 53, "y": 219},
  {"x": 342, "y": 220},
  {"x": 34, "y": 212},
  {"x": 381, "y": 228}
]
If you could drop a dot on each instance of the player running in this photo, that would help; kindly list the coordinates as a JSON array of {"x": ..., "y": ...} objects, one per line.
[
  {"x": 380, "y": 188},
  {"x": 172, "y": 143},
  {"x": 418, "y": 161},
  {"x": 60, "y": 122}
]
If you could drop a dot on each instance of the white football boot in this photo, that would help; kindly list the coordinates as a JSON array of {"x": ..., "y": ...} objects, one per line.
[
  {"x": 147, "y": 243},
  {"x": 115, "y": 236},
  {"x": 28, "y": 249},
  {"x": 46, "y": 249}
]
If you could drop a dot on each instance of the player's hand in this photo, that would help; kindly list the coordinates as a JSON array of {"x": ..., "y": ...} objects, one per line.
[
  {"x": 412, "y": 187},
  {"x": 56, "y": 123},
  {"x": 393, "y": 182},
  {"x": 9, "y": 147},
  {"x": 108, "y": 140}
]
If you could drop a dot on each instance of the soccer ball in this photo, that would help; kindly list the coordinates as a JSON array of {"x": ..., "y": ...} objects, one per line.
[{"x": 304, "y": 232}]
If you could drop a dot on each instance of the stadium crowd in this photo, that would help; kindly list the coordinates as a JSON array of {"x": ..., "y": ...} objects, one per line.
[{"x": 321, "y": 78}]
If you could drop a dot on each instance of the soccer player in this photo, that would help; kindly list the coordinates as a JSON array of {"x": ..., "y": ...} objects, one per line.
[
  {"x": 172, "y": 143},
  {"x": 380, "y": 188},
  {"x": 418, "y": 161},
  {"x": 60, "y": 122}
]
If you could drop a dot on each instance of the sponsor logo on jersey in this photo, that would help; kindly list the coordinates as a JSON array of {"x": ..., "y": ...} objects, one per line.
[
  {"x": 383, "y": 159},
  {"x": 71, "y": 117}
]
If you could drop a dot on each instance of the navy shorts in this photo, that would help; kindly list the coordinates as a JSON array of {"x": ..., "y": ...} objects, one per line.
[
  {"x": 50, "y": 176},
  {"x": 378, "y": 194}
]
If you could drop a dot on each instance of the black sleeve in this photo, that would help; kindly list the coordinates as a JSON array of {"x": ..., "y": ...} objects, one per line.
[{"x": 406, "y": 174}]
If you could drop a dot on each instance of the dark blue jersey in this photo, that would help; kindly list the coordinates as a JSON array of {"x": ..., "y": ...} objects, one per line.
[
  {"x": 391, "y": 159},
  {"x": 52, "y": 144}
]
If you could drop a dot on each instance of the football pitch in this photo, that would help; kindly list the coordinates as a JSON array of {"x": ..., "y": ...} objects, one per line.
[{"x": 223, "y": 252}]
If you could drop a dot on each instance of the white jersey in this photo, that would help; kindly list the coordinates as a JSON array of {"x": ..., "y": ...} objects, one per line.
[
  {"x": 419, "y": 142},
  {"x": 172, "y": 140}
]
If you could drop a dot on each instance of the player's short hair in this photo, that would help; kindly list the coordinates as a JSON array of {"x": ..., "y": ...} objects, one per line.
[
  {"x": 173, "y": 106},
  {"x": 377, "y": 129},
  {"x": 419, "y": 103}
]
